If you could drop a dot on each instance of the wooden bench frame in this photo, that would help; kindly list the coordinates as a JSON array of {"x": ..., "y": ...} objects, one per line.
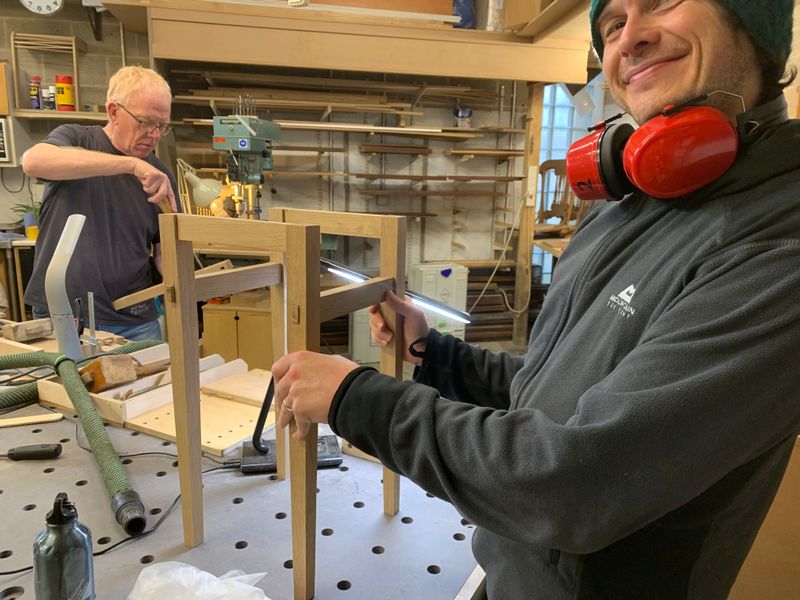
[{"x": 292, "y": 239}]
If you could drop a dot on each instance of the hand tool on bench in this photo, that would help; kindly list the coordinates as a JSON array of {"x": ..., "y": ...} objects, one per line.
[
  {"x": 106, "y": 372},
  {"x": 34, "y": 452}
]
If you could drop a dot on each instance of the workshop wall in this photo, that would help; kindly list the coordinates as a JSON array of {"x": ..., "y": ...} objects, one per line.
[{"x": 96, "y": 65}]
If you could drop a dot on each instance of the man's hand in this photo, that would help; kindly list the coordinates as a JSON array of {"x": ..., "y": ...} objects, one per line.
[
  {"x": 305, "y": 383},
  {"x": 155, "y": 183},
  {"x": 415, "y": 326}
]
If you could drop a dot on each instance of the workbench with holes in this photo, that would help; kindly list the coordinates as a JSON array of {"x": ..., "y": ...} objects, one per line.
[
  {"x": 360, "y": 550},
  {"x": 361, "y": 553}
]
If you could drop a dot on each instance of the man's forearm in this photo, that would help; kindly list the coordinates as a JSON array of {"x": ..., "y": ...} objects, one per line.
[{"x": 55, "y": 163}]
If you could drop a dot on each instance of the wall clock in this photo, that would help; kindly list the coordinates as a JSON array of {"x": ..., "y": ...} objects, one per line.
[{"x": 43, "y": 7}]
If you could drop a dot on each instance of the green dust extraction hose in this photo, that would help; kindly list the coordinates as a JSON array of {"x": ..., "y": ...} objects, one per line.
[{"x": 125, "y": 502}]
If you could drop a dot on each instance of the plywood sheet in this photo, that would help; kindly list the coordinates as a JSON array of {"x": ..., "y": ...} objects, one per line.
[
  {"x": 224, "y": 424},
  {"x": 248, "y": 388},
  {"x": 12, "y": 347}
]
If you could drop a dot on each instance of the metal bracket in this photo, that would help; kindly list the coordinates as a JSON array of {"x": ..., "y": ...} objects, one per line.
[{"x": 96, "y": 21}]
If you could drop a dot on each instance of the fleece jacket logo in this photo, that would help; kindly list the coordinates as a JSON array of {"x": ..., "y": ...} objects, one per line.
[{"x": 621, "y": 303}]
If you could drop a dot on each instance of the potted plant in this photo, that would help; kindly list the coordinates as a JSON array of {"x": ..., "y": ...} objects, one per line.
[{"x": 29, "y": 213}]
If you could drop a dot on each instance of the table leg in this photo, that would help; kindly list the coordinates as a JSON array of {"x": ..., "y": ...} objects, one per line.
[
  {"x": 20, "y": 287},
  {"x": 11, "y": 279}
]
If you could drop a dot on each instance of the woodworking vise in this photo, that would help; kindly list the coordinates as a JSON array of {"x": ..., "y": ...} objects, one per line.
[{"x": 247, "y": 142}]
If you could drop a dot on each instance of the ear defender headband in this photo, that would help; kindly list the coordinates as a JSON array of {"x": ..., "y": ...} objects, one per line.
[{"x": 675, "y": 153}]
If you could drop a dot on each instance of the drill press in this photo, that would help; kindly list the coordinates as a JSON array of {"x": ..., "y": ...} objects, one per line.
[{"x": 247, "y": 142}]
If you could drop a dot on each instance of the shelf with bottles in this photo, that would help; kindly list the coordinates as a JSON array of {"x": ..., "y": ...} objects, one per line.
[{"x": 69, "y": 87}]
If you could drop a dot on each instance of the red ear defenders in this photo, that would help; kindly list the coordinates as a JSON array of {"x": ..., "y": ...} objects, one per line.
[{"x": 674, "y": 153}]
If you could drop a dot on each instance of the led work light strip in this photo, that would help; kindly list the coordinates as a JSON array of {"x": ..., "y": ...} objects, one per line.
[{"x": 418, "y": 299}]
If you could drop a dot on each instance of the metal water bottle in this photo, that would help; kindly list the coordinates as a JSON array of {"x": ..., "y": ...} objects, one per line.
[{"x": 62, "y": 556}]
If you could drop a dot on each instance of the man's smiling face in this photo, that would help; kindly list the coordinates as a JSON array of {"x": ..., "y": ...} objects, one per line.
[{"x": 662, "y": 52}]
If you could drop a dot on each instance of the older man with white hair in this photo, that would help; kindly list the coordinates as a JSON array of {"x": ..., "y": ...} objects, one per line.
[{"x": 110, "y": 175}]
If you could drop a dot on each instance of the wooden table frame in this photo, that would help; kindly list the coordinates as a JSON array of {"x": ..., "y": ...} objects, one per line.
[{"x": 292, "y": 237}]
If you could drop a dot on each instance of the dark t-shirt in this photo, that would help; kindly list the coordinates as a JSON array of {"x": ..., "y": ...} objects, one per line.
[{"x": 112, "y": 256}]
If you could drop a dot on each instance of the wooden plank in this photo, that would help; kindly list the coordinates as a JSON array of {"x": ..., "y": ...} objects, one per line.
[
  {"x": 419, "y": 132},
  {"x": 158, "y": 290},
  {"x": 249, "y": 387},
  {"x": 182, "y": 328},
  {"x": 237, "y": 233},
  {"x": 221, "y": 283},
  {"x": 439, "y": 7},
  {"x": 522, "y": 277},
  {"x": 240, "y": 78},
  {"x": 427, "y": 193},
  {"x": 336, "y": 223},
  {"x": 272, "y": 173},
  {"x": 380, "y": 176},
  {"x": 54, "y": 395},
  {"x": 393, "y": 264},
  {"x": 349, "y": 298},
  {"x": 293, "y": 94},
  {"x": 393, "y": 149},
  {"x": 296, "y": 105},
  {"x": 12, "y": 347},
  {"x": 5, "y": 105},
  {"x": 551, "y": 13},
  {"x": 302, "y": 332},
  {"x": 31, "y": 420},
  {"x": 499, "y": 153},
  {"x": 361, "y": 47}
]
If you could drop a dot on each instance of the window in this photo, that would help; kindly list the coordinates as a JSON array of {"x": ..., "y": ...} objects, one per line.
[{"x": 562, "y": 124}]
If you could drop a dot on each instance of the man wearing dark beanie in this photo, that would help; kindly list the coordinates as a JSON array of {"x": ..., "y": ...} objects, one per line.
[{"x": 634, "y": 451}]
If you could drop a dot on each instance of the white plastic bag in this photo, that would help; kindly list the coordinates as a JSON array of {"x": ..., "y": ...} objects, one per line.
[{"x": 179, "y": 581}]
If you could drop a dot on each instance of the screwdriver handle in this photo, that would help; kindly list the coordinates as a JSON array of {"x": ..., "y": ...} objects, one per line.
[{"x": 35, "y": 452}]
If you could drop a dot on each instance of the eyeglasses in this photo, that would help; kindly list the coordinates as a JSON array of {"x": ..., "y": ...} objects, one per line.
[{"x": 148, "y": 126}]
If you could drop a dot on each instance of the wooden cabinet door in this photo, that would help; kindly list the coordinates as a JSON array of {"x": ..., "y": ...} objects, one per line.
[{"x": 255, "y": 338}]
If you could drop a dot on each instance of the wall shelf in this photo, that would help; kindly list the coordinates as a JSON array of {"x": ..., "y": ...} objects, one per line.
[
  {"x": 484, "y": 129},
  {"x": 216, "y": 101},
  {"x": 394, "y": 149},
  {"x": 428, "y": 193},
  {"x": 60, "y": 115},
  {"x": 464, "y": 178},
  {"x": 475, "y": 152},
  {"x": 269, "y": 174},
  {"x": 199, "y": 147},
  {"x": 61, "y": 44},
  {"x": 419, "y": 132}
]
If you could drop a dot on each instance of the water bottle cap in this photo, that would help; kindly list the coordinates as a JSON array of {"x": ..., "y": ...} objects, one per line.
[{"x": 63, "y": 511}]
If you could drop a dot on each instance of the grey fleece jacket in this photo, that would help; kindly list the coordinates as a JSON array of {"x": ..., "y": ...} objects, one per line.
[{"x": 635, "y": 451}]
